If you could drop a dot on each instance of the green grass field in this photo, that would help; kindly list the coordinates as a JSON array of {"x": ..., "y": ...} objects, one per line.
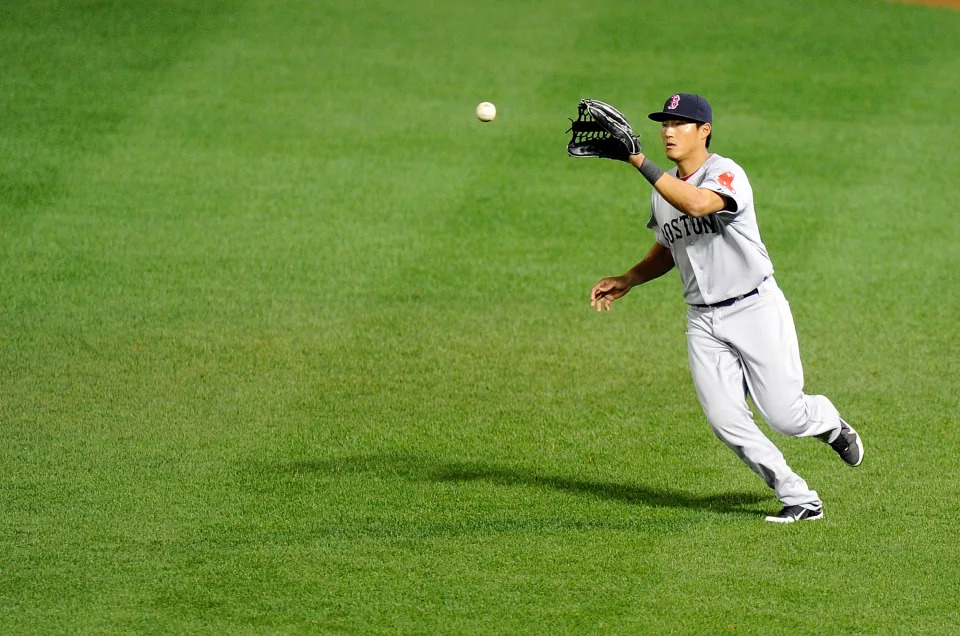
[{"x": 291, "y": 343}]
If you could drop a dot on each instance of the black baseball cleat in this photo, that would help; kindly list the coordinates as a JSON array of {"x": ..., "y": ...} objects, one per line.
[
  {"x": 790, "y": 514},
  {"x": 848, "y": 444}
]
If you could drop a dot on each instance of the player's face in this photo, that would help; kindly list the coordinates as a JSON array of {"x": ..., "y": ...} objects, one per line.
[{"x": 681, "y": 137}]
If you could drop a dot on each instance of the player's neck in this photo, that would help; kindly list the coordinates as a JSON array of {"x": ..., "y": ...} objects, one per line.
[{"x": 692, "y": 162}]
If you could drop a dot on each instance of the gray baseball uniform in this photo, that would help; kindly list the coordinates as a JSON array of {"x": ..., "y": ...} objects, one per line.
[{"x": 741, "y": 337}]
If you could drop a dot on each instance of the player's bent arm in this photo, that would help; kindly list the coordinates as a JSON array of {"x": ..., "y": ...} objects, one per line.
[
  {"x": 687, "y": 198},
  {"x": 657, "y": 262}
]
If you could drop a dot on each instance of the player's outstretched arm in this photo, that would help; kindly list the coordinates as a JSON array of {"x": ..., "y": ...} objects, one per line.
[
  {"x": 656, "y": 263},
  {"x": 686, "y": 197}
]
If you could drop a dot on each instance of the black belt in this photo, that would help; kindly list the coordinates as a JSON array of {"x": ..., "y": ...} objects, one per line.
[{"x": 730, "y": 301}]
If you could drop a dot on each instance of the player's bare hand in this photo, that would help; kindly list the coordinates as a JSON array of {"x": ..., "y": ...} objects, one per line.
[{"x": 607, "y": 291}]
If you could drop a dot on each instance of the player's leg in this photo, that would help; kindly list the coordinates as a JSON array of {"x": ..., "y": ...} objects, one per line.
[
  {"x": 719, "y": 381},
  {"x": 763, "y": 332}
]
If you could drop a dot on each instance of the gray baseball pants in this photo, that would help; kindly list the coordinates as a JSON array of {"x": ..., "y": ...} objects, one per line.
[{"x": 751, "y": 348}]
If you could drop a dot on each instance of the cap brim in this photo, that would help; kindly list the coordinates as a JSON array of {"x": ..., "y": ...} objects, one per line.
[{"x": 665, "y": 116}]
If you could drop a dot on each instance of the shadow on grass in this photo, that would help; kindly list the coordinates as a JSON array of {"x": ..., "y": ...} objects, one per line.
[{"x": 416, "y": 468}]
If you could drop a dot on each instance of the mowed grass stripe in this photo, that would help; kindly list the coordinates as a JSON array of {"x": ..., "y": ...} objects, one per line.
[{"x": 70, "y": 77}]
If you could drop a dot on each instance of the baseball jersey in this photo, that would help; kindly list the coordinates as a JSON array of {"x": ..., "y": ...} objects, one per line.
[{"x": 719, "y": 256}]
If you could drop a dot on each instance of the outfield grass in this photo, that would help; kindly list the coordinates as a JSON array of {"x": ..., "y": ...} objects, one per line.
[{"x": 291, "y": 343}]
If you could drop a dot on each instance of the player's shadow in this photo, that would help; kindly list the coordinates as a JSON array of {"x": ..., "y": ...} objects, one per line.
[
  {"x": 727, "y": 502},
  {"x": 424, "y": 469}
]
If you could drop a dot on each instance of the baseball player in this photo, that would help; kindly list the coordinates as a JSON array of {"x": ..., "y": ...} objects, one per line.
[{"x": 741, "y": 337}]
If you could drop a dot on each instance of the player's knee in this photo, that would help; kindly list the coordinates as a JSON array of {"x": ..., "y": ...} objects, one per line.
[{"x": 788, "y": 419}]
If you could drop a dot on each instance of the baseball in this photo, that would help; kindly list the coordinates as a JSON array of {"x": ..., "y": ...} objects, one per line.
[{"x": 486, "y": 111}]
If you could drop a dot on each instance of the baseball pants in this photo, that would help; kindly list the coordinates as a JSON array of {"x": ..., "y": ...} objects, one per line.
[{"x": 751, "y": 348}]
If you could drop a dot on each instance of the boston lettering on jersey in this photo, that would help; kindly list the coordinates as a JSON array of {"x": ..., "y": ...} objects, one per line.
[{"x": 684, "y": 226}]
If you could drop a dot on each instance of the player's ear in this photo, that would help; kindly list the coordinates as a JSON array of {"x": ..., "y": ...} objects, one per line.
[{"x": 704, "y": 131}]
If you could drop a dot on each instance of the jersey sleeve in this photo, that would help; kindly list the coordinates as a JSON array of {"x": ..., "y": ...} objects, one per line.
[
  {"x": 652, "y": 222},
  {"x": 728, "y": 179}
]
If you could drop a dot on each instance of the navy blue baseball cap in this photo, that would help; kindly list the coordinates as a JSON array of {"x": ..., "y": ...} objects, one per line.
[{"x": 685, "y": 106}]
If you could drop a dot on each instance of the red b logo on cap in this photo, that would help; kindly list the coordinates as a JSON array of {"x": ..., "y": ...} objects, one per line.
[{"x": 674, "y": 102}]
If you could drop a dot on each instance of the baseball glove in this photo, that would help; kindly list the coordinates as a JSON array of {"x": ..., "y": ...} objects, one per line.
[{"x": 601, "y": 131}]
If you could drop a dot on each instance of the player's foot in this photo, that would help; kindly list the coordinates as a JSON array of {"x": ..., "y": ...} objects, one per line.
[
  {"x": 790, "y": 514},
  {"x": 848, "y": 445}
]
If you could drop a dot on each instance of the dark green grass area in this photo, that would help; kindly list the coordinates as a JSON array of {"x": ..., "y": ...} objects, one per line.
[{"x": 291, "y": 343}]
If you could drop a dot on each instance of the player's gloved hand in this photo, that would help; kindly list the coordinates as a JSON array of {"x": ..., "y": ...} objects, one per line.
[
  {"x": 602, "y": 131},
  {"x": 608, "y": 148},
  {"x": 607, "y": 291}
]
